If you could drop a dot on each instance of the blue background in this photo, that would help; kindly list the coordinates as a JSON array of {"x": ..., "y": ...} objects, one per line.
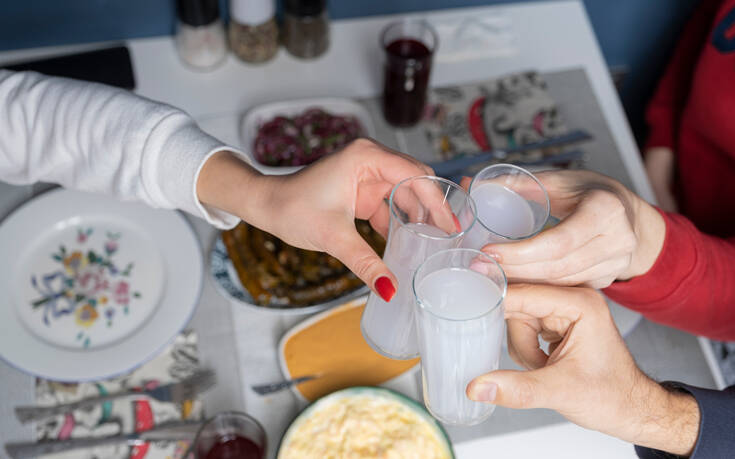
[{"x": 634, "y": 34}]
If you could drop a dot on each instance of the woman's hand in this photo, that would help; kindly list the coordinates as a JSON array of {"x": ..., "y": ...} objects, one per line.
[
  {"x": 607, "y": 233},
  {"x": 588, "y": 376},
  {"x": 660, "y": 164},
  {"x": 315, "y": 208}
]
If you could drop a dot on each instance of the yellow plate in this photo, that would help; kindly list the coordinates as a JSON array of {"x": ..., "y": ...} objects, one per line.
[{"x": 331, "y": 344}]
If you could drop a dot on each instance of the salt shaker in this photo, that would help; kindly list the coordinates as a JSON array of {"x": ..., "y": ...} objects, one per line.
[
  {"x": 253, "y": 30},
  {"x": 200, "y": 34},
  {"x": 306, "y": 27}
]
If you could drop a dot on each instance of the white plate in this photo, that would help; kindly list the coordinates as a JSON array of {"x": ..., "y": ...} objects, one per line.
[
  {"x": 254, "y": 118},
  {"x": 405, "y": 383},
  {"x": 94, "y": 287}
]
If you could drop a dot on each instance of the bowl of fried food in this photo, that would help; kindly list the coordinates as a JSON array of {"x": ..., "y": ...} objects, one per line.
[{"x": 258, "y": 270}]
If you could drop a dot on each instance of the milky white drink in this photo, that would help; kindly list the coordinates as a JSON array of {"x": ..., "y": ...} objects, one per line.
[
  {"x": 460, "y": 332},
  {"x": 503, "y": 210},
  {"x": 389, "y": 328}
]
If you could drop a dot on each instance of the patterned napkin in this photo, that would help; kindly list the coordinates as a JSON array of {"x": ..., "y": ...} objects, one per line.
[
  {"x": 179, "y": 361},
  {"x": 496, "y": 114}
]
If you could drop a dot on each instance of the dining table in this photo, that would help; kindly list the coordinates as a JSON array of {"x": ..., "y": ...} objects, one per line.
[{"x": 554, "y": 38}]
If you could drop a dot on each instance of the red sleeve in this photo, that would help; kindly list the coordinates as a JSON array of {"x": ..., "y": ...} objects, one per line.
[
  {"x": 691, "y": 286},
  {"x": 664, "y": 109}
]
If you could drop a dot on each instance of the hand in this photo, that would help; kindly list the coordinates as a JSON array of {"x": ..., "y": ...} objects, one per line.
[
  {"x": 589, "y": 376},
  {"x": 660, "y": 165},
  {"x": 315, "y": 208},
  {"x": 607, "y": 233}
]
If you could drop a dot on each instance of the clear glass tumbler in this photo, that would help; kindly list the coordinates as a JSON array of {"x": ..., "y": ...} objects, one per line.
[
  {"x": 460, "y": 323},
  {"x": 230, "y": 435},
  {"x": 511, "y": 203},
  {"x": 427, "y": 214}
]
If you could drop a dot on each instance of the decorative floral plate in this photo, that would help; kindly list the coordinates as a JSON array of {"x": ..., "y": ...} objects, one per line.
[{"x": 94, "y": 286}]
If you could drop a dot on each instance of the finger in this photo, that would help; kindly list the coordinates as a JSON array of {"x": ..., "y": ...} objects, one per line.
[
  {"x": 380, "y": 219},
  {"x": 599, "y": 250},
  {"x": 524, "y": 301},
  {"x": 554, "y": 243},
  {"x": 608, "y": 269},
  {"x": 523, "y": 342},
  {"x": 515, "y": 389},
  {"x": 392, "y": 165},
  {"x": 435, "y": 197},
  {"x": 351, "y": 249},
  {"x": 465, "y": 183}
]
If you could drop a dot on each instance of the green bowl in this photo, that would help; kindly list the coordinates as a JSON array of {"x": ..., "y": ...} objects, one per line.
[{"x": 378, "y": 392}]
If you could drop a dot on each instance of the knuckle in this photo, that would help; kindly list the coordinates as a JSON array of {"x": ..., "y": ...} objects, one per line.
[
  {"x": 629, "y": 241},
  {"x": 524, "y": 393},
  {"x": 362, "y": 265}
]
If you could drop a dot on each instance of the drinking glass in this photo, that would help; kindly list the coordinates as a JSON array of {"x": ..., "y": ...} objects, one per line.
[
  {"x": 230, "y": 435},
  {"x": 511, "y": 205},
  {"x": 427, "y": 214},
  {"x": 460, "y": 323},
  {"x": 409, "y": 46}
]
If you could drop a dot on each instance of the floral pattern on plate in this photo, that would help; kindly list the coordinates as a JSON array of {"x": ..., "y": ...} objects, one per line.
[{"x": 88, "y": 284}]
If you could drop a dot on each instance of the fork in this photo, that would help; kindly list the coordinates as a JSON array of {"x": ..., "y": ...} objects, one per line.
[
  {"x": 176, "y": 392},
  {"x": 265, "y": 389}
]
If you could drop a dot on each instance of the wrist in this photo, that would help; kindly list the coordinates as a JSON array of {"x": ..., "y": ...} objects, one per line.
[
  {"x": 650, "y": 230},
  {"x": 668, "y": 421},
  {"x": 231, "y": 185}
]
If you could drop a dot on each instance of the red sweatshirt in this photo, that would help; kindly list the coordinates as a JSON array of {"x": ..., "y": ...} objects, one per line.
[
  {"x": 691, "y": 286},
  {"x": 693, "y": 113}
]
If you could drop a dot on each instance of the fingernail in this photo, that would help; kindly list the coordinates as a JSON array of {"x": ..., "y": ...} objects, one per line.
[
  {"x": 456, "y": 223},
  {"x": 385, "y": 288},
  {"x": 483, "y": 391}
]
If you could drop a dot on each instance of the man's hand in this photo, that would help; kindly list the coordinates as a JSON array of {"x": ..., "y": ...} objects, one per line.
[
  {"x": 607, "y": 233},
  {"x": 589, "y": 376}
]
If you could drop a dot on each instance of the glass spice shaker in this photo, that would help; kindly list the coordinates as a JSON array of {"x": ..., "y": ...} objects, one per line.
[
  {"x": 253, "y": 30},
  {"x": 200, "y": 34},
  {"x": 306, "y": 28}
]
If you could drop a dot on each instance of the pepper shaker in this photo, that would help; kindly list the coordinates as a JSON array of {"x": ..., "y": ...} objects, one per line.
[
  {"x": 200, "y": 34},
  {"x": 253, "y": 30},
  {"x": 306, "y": 27}
]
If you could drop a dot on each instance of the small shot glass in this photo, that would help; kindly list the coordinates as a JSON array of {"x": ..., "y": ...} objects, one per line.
[
  {"x": 427, "y": 214},
  {"x": 512, "y": 205},
  {"x": 460, "y": 324}
]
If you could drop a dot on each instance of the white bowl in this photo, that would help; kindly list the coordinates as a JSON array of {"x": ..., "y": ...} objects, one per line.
[{"x": 257, "y": 116}]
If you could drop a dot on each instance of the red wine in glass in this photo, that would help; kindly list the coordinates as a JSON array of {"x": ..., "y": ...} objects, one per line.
[
  {"x": 234, "y": 447},
  {"x": 407, "y": 68}
]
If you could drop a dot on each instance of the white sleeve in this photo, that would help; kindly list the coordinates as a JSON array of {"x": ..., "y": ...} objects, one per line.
[{"x": 101, "y": 139}]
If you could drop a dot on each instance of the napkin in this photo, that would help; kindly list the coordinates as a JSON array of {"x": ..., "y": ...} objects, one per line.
[
  {"x": 496, "y": 114},
  {"x": 178, "y": 361}
]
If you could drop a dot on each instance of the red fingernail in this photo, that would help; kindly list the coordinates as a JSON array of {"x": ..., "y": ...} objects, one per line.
[
  {"x": 385, "y": 288},
  {"x": 456, "y": 223}
]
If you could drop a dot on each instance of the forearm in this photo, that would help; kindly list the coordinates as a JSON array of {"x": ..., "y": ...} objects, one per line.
[
  {"x": 100, "y": 139},
  {"x": 690, "y": 284}
]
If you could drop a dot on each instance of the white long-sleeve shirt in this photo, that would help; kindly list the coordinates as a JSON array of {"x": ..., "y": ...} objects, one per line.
[{"x": 102, "y": 139}]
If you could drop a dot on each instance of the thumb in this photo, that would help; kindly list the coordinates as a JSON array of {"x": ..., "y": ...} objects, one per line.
[
  {"x": 352, "y": 250},
  {"x": 511, "y": 389}
]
